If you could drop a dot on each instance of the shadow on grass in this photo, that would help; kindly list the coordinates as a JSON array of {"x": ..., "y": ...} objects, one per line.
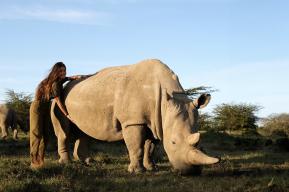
[
  {"x": 249, "y": 172},
  {"x": 11, "y": 147}
]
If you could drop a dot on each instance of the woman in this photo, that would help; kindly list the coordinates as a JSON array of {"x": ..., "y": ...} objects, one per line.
[{"x": 49, "y": 88}]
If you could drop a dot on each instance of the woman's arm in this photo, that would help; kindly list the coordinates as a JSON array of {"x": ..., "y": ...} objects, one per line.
[
  {"x": 75, "y": 77},
  {"x": 61, "y": 106}
]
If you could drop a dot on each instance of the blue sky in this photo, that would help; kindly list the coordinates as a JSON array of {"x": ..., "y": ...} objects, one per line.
[{"x": 240, "y": 47}]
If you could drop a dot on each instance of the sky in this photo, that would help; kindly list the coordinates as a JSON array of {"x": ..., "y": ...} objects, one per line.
[{"x": 240, "y": 47}]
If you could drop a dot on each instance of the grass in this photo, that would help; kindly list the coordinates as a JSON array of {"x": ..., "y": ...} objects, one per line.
[{"x": 242, "y": 169}]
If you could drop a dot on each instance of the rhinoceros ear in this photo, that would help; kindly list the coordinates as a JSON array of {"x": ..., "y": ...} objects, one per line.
[
  {"x": 193, "y": 138},
  {"x": 202, "y": 101}
]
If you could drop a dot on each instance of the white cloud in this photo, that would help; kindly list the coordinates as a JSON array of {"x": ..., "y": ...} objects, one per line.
[{"x": 41, "y": 13}]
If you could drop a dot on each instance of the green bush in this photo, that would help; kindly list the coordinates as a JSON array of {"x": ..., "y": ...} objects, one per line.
[
  {"x": 277, "y": 124},
  {"x": 235, "y": 117},
  {"x": 205, "y": 122}
]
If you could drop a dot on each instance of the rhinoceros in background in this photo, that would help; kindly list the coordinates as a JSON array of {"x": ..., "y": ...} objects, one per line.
[
  {"x": 139, "y": 103},
  {"x": 8, "y": 118}
]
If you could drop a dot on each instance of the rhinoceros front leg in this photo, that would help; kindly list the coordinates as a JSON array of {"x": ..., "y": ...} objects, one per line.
[
  {"x": 4, "y": 131},
  {"x": 148, "y": 151},
  {"x": 134, "y": 140}
]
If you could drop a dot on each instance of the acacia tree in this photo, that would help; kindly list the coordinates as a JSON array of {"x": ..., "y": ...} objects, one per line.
[
  {"x": 193, "y": 92},
  {"x": 205, "y": 122},
  {"x": 277, "y": 124},
  {"x": 235, "y": 117}
]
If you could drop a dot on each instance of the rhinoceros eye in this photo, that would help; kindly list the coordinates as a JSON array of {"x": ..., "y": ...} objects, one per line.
[{"x": 173, "y": 142}]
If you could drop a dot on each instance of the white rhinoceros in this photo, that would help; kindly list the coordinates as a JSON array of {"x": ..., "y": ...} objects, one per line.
[
  {"x": 8, "y": 118},
  {"x": 139, "y": 103}
]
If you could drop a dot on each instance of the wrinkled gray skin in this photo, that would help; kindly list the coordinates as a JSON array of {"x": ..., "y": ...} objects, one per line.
[
  {"x": 8, "y": 118},
  {"x": 139, "y": 103}
]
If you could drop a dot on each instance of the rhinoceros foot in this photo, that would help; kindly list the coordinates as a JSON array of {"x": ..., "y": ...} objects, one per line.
[
  {"x": 135, "y": 169},
  {"x": 37, "y": 162},
  {"x": 4, "y": 137},
  {"x": 36, "y": 165},
  {"x": 150, "y": 166},
  {"x": 64, "y": 160}
]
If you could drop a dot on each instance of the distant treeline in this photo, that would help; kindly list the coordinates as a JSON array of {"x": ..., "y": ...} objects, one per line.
[{"x": 225, "y": 117}]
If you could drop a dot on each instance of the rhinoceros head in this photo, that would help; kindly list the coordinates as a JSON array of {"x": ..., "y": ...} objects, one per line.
[{"x": 180, "y": 134}]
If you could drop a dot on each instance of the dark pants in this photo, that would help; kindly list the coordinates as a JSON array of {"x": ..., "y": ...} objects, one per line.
[{"x": 39, "y": 125}]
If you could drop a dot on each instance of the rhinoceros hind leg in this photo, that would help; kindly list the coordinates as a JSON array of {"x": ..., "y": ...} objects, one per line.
[
  {"x": 81, "y": 150},
  {"x": 61, "y": 129},
  {"x": 134, "y": 140},
  {"x": 63, "y": 149},
  {"x": 148, "y": 151},
  {"x": 15, "y": 134}
]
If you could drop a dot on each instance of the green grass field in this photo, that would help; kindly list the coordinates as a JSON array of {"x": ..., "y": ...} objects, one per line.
[{"x": 244, "y": 168}]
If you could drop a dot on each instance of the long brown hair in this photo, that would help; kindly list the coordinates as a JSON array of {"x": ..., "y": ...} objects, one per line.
[{"x": 44, "y": 88}]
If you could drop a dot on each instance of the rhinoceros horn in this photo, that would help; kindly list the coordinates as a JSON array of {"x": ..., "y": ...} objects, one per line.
[
  {"x": 193, "y": 138},
  {"x": 196, "y": 157}
]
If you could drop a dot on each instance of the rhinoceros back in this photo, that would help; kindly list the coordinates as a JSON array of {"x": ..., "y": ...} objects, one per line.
[{"x": 118, "y": 97}]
